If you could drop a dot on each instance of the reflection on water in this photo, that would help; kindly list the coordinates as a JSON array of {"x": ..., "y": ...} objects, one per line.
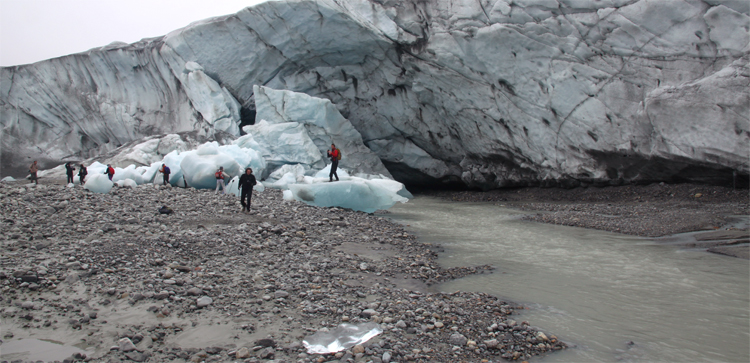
[{"x": 613, "y": 297}]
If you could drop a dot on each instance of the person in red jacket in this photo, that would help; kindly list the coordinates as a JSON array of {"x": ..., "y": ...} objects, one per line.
[
  {"x": 220, "y": 175},
  {"x": 110, "y": 171},
  {"x": 335, "y": 155}
]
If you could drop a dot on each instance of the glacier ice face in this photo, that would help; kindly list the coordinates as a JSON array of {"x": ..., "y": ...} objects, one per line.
[
  {"x": 323, "y": 123},
  {"x": 484, "y": 94},
  {"x": 285, "y": 143},
  {"x": 214, "y": 103}
]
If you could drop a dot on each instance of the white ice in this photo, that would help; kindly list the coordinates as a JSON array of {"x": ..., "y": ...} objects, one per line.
[
  {"x": 126, "y": 183},
  {"x": 98, "y": 183},
  {"x": 233, "y": 186},
  {"x": 356, "y": 193},
  {"x": 283, "y": 143},
  {"x": 323, "y": 173},
  {"x": 289, "y": 150}
]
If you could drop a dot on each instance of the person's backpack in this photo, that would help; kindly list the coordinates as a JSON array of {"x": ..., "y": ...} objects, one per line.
[
  {"x": 111, "y": 171},
  {"x": 338, "y": 157},
  {"x": 166, "y": 169},
  {"x": 218, "y": 175}
]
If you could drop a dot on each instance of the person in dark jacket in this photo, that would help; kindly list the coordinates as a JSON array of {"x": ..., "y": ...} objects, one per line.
[
  {"x": 69, "y": 169},
  {"x": 82, "y": 172},
  {"x": 247, "y": 181},
  {"x": 33, "y": 169}
]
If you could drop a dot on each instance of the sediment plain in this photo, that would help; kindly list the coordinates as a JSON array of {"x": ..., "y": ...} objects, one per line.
[
  {"x": 109, "y": 274},
  {"x": 690, "y": 215}
]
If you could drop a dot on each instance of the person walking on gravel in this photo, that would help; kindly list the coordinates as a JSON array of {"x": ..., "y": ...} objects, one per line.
[
  {"x": 335, "y": 155},
  {"x": 247, "y": 181},
  {"x": 82, "y": 172},
  {"x": 165, "y": 173},
  {"x": 69, "y": 169},
  {"x": 220, "y": 175},
  {"x": 33, "y": 169}
]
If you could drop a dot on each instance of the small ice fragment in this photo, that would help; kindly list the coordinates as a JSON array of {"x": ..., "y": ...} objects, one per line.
[{"x": 343, "y": 337}]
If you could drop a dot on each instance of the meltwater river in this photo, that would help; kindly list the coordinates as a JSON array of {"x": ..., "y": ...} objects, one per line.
[{"x": 611, "y": 297}]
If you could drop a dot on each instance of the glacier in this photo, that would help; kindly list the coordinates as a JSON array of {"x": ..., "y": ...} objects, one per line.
[
  {"x": 481, "y": 94},
  {"x": 284, "y": 150}
]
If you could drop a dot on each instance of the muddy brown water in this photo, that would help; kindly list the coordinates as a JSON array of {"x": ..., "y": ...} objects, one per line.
[{"x": 611, "y": 297}]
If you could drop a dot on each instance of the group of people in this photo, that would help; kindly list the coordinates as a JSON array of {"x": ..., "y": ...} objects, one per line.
[
  {"x": 69, "y": 169},
  {"x": 246, "y": 183},
  {"x": 82, "y": 172}
]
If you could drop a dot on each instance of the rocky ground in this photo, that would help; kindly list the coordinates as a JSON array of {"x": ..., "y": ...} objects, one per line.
[
  {"x": 107, "y": 273},
  {"x": 656, "y": 210}
]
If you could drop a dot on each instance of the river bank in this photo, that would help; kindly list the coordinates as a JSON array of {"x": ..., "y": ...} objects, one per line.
[
  {"x": 108, "y": 274},
  {"x": 657, "y": 210}
]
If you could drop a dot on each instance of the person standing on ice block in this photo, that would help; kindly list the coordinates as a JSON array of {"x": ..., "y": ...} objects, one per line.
[
  {"x": 247, "y": 181},
  {"x": 220, "y": 175},
  {"x": 69, "y": 169},
  {"x": 335, "y": 155}
]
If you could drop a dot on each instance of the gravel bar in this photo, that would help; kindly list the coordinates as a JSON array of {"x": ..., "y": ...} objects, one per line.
[{"x": 108, "y": 273}]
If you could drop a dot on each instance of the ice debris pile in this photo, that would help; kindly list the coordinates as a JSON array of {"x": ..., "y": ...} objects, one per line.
[{"x": 287, "y": 150}]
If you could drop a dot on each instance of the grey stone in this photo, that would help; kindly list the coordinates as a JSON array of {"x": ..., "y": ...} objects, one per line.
[
  {"x": 204, "y": 301},
  {"x": 457, "y": 339},
  {"x": 126, "y": 345}
]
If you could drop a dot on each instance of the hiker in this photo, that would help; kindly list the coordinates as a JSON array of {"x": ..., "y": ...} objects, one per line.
[
  {"x": 335, "y": 155},
  {"x": 110, "y": 171},
  {"x": 82, "y": 172},
  {"x": 165, "y": 172},
  {"x": 220, "y": 175},
  {"x": 33, "y": 169},
  {"x": 247, "y": 181},
  {"x": 69, "y": 169}
]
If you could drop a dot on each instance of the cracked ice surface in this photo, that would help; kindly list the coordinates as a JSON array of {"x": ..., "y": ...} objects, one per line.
[{"x": 484, "y": 93}]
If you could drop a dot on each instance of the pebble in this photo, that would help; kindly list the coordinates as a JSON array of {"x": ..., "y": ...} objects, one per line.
[
  {"x": 204, "y": 301},
  {"x": 126, "y": 345},
  {"x": 243, "y": 353},
  {"x": 194, "y": 291},
  {"x": 457, "y": 340}
]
